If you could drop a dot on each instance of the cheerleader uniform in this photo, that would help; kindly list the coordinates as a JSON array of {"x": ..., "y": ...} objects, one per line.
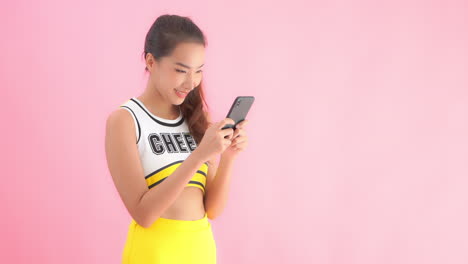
[{"x": 163, "y": 145}]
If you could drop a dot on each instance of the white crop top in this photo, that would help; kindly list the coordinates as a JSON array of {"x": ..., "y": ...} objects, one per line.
[{"x": 163, "y": 144}]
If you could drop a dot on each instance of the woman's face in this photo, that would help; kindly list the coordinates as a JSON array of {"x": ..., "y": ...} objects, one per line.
[{"x": 177, "y": 75}]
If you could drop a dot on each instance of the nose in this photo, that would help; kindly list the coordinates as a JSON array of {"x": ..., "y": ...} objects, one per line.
[{"x": 190, "y": 83}]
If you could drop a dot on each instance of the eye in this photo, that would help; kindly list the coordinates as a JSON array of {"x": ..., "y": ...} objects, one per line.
[{"x": 181, "y": 71}]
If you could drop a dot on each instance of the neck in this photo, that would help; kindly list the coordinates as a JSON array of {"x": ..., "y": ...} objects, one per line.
[{"x": 154, "y": 101}]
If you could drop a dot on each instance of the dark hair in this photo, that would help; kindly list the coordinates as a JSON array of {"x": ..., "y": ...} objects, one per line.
[{"x": 161, "y": 40}]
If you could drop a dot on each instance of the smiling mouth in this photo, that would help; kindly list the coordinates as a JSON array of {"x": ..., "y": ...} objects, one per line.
[{"x": 180, "y": 94}]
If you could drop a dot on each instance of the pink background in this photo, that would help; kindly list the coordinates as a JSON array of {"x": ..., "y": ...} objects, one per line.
[{"x": 358, "y": 136}]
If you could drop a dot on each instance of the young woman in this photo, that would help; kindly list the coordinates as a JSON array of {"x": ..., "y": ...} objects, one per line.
[{"x": 162, "y": 150}]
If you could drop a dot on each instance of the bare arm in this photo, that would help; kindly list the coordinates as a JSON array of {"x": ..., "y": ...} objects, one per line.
[
  {"x": 144, "y": 205},
  {"x": 218, "y": 188}
]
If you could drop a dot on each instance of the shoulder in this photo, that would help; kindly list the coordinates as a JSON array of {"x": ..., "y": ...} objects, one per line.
[
  {"x": 120, "y": 115},
  {"x": 120, "y": 119}
]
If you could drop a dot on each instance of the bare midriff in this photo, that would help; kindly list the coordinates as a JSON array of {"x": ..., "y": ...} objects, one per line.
[{"x": 188, "y": 206}]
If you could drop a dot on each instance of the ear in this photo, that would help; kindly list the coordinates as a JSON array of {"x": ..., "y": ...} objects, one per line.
[{"x": 151, "y": 62}]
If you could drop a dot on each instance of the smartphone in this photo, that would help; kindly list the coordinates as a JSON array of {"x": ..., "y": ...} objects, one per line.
[{"x": 239, "y": 109}]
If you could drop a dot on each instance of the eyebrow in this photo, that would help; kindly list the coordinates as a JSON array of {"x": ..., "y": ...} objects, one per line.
[{"x": 188, "y": 67}]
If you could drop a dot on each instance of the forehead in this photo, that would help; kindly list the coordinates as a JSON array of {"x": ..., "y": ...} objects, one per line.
[{"x": 191, "y": 54}]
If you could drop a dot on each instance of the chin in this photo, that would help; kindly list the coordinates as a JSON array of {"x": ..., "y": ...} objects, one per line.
[{"x": 179, "y": 101}]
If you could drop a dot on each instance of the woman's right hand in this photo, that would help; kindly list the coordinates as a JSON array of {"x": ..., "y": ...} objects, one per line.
[{"x": 214, "y": 141}]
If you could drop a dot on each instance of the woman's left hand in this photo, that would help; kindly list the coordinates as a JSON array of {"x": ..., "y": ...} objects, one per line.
[{"x": 239, "y": 142}]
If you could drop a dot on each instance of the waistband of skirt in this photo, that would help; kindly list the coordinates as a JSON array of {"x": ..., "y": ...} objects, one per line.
[{"x": 175, "y": 224}]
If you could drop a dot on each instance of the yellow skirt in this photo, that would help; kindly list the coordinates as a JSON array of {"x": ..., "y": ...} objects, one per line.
[{"x": 170, "y": 241}]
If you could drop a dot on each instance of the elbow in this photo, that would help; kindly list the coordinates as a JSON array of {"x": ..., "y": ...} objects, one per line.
[
  {"x": 144, "y": 222},
  {"x": 210, "y": 215},
  {"x": 140, "y": 220},
  {"x": 147, "y": 220},
  {"x": 143, "y": 219}
]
